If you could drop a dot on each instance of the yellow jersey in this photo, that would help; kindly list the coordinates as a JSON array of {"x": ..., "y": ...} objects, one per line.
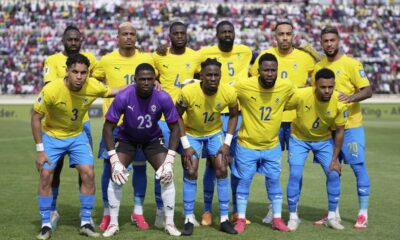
[
  {"x": 55, "y": 67},
  {"x": 315, "y": 119},
  {"x": 203, "y": 112},
  {"x": 349, "y": 77},
  {"x": 64, "y": 109},
  {"x": 296, "y": 66},
  {"x": 116, "y": 70},
  {"x": 262, "y": 111},
  {"x": 174, "y": 69}
]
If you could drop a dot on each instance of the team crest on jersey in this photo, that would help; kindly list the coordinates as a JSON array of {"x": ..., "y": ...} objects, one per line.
[
  {"x": 338, "y": 72},
  {"x": 295, "y": 66},
  {"x": 187, "y": 66},
  {"x": 218, "y": 106},
  {"x": 277, "y": 100},
  {"x": 85, "y": 100},
  {"x": 238, "y": 55},
  {"x": 362, "y": 73},
  {"x": 153, "y": 108}
]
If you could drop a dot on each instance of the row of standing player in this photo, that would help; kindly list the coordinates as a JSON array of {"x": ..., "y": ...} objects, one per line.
[{"x": 226, "y": 52}]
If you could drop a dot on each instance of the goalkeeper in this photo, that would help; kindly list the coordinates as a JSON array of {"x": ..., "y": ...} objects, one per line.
[{"x": 141, "y": 106}]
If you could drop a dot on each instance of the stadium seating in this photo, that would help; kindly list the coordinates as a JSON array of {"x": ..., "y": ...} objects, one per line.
[{"x": 31, "y": 30}]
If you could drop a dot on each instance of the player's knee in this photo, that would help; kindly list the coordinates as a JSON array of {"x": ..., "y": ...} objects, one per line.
[
  {"x": 191, "y": 174},
  {"x": 221, "y": 172}
]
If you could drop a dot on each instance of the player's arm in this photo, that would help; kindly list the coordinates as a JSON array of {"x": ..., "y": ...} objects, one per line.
[
  {"x": 188, "y": 151},
  {"x": 36, "y": 125},
  {"x": 339, "y": 138},
  {"x": 116, "y": 90},
  {"x": 232, "y": 123},
  {"x": 362, "y": 94}
]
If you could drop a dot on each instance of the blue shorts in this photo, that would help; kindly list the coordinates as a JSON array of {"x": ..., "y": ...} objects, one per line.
[
  {"x": 284, "y": 135},
  {"x": 103, "y": 153},
  {"x": 78, "y": 148},
  {"x": 322, "y": 150},
  {"x": 87, "y": 130},
  {"x": 210, "y": 144},
  {"x": 249, "y": 161},
  {"x": 166, "y": 132},
  {"x": 353, "y": 148},
  {"x": 225, "y": 120}
]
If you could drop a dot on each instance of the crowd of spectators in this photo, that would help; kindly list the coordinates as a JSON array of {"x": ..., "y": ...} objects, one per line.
[{"x": 30, "y": 31}]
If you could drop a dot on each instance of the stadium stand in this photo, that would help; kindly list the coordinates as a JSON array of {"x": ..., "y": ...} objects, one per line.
[{"x": 31, "y": 30}]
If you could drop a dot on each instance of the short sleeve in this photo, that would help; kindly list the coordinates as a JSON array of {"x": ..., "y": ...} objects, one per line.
[
  {"x": 49, "y": 70},
  {"x": 40, "y": 103},
  {"x": 232, "y": 101},
  {"x": 169, "y": 109},
  {"x": 99, "y": 70},
  {"x": 342, "y": 115},
  {"x": 358, "y": 75},
  {"x": 116, "y": 109},
  {"x": 183, "y": 100},
  {"x": 293, "y": 101}
]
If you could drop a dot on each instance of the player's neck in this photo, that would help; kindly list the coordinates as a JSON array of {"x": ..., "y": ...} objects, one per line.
[
  {"x": 206, "y": 91},
  {"x": 127, "y": 52},
  {"x": 177, "y": 50},
  {"x": 225, "y": 48},
  {"x": 285, "y": 52},
  {"x": 336, "y": 57}
]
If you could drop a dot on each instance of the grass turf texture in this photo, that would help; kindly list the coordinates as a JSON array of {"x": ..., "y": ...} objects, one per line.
[{"x": 19, "y": 180}]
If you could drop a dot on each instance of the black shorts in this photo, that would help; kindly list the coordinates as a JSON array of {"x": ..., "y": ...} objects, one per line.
[{"x": 149, "y": 149}]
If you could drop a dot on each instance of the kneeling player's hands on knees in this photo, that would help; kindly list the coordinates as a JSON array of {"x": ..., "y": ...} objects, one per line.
[
  {"x": 224, "y": 153},
  {"x": 119, "y": 173},
  {"x": 165, "y": 171},
  {"x": 335, "y": 166},
  {"x": 188, "y": 154},
  {"x": 41, "y": 159}
]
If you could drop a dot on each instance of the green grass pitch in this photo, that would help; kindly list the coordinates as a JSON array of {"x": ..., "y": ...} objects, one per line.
[{"x": 20, "y": 219}]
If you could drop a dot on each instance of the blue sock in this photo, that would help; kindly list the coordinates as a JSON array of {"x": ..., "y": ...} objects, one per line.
[
  {"x": 333, "y": 189},
  {"x": 223, "y": 196},
  {"x": 208, "y": 188},
  {"x": 234, "y": 185},
  {"x": 294, "y": 186},
  {"x": 105, "y": 179},
  {"x": 54, "y": 190},
  {"x": 242, "y": 194},
  {"x": 157, "y": 194},
  {"x": 274, "y": 194},
  {"x": 139, "y": 184},
  {"x": 45, "y": 208},
  {"x": 87, "y": 202},
  {"x": 189, "y": 195},
  {"x": 363, "y": 184}
]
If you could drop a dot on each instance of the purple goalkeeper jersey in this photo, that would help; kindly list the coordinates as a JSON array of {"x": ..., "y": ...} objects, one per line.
[{"x": 140, "y": 122}]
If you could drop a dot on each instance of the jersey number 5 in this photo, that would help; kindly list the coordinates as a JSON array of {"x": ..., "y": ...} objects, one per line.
[{"x": 231, "y": 70}]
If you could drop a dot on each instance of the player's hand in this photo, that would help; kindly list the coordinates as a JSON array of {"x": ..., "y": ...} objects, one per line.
[
  {"x": 165, "y": 171},
  {"x": 162, "y": 50},
  {"x": 158, "y": 86},
  {"x": 224, "y": 151},
  {"x": 335, "y": 166},
  {"x": 41, "y": 159},
  {"x": 119, "y": 174},
  {"x": 344, "y": 98},
  {"x": 188, "y": 153}
]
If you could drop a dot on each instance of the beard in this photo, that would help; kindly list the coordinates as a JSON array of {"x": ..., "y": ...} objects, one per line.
[
  {"x": 71, "y": 51},
  {"x": 331, "y": 55},
  {"x": 226, "y": 43}
]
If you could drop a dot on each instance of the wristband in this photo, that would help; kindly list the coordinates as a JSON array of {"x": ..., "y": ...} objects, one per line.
[
  {"x": 111, "y": 152},
  {"x": 39, "y": 147},
  {"x": 185, "y": 142},
  {"x": 228, "y": 139},
  {"x": 171, "y": 152}
]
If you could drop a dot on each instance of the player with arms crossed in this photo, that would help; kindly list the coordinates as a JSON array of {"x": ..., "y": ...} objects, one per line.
[
  {"x": 117, "y": 69},
  {"x": 55, "y": 68},
  {"x": 63, "y": 104},
  {"x": 318, "y": 110},
  {"x": 203, "y": 103},
  {"x": 262, "y": 99},
  {"x": 235, "y": 61},
  {"x": 353, "y": 85},
  {"x": 295, "y": 65},
  {"x": 142, "y": 107}
]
